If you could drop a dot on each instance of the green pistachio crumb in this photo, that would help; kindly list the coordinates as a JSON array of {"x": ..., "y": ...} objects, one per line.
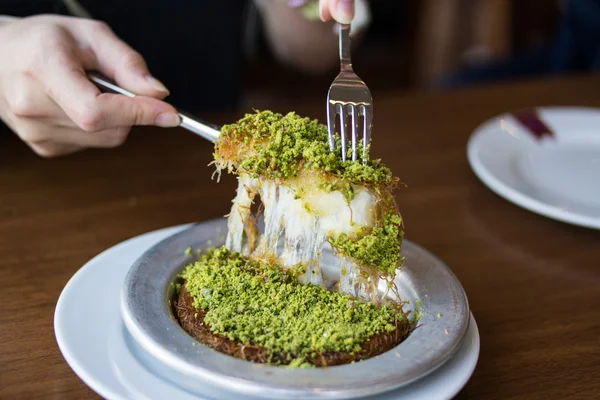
[
  {"x": 300, "y": 363},
  {"x": 377, "y": 247},
  {"x": 344, "y": 187},
  {"x": 418, "y": 312},
  {"x": 308, "y": 208},
  {"x": 277, "y": 146},
  {"x": 176, "y": 287},
  {"x": 262, "y": 303}
]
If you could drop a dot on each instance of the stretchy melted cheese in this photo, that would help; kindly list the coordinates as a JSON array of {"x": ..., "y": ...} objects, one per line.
[
  {"x": 311, "y": 199},
  {"x": 262, "y": 297}
]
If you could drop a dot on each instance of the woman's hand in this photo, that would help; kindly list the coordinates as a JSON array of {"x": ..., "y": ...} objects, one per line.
[
  {"x": 47, "y": 99},
  {"x": 341, "y": 11},
  {"x": 299, "y": 40}
]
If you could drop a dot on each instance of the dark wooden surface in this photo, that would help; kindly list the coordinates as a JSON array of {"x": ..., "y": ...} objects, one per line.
[{"x": 533, "y": 283}]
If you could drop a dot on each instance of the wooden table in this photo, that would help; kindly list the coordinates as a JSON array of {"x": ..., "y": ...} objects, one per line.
[{"x": 533, "y": 283}]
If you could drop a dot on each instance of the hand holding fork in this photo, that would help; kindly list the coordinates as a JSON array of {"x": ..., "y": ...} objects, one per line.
[{"x": 349, "y": 97}]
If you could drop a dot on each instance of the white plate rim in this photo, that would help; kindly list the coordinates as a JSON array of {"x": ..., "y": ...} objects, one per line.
[{"x": 61, "y": 304}]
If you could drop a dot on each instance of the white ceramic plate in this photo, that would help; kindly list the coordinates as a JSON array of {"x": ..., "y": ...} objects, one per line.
[
  {"x": 556, "y": 175},
  {"x": 94, "y": 342},
  {"x": 424, "y": 280}
]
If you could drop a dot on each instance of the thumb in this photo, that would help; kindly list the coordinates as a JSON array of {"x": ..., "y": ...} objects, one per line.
[
  {"x": 126, "y": 111},
  {"x": 341, "y": 11}
]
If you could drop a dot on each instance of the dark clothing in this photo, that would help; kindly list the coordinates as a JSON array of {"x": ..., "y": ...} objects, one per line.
[
  {"x": 20, "y": 8},
  {"x": 194, "y": 47}
]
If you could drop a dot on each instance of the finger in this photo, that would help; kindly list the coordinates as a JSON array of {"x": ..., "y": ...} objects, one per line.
[
  {"x": 67, "y": 84},
  {"x": 341, "y": 10},
  {"x": 108, "y": 138},
  {"x": 35, "y": 132},
  {"x": 87, "y": 57},
  {"x": 117, "y": 110},
  {"x": 111, "y": 137},
  {"x": 117, "y": 60},
  {"x": 26, "y": 99},
  {"x": 324, "y": 12},
  {"x": 52, "y": 149}
]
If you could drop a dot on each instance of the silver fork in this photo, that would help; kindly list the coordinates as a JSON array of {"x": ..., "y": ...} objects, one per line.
[{"x": 349, "y": 96}]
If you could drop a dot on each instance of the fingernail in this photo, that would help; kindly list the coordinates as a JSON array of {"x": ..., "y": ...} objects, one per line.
[
  {"x": 322, "y": 5},
  {"x": 345, "y": 11},
  {"x": 156, "y": 84},
  {"x": 168, "y": 120}
]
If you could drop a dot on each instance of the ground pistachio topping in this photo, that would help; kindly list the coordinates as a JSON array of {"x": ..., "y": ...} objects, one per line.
[
  {"x": 374, "y": 246},
  {"x": 261, "y": 303},
  {"x": 294, "y": 152},
  {"x": 277, "y": 146}
]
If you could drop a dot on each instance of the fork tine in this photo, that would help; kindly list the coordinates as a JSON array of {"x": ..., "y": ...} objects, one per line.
[
  {"x": 350, "y": 97},
  {"x": 367, "y": 119},
  {"x": 343, "y": 131},
  {"x": 331, "y": 111},
  {"x": 354, "y": 121}
]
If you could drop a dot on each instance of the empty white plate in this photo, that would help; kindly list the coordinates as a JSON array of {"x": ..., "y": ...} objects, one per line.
[{"x": 555, "y": 173}]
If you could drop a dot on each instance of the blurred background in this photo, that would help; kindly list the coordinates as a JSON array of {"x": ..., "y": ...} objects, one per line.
[
  {"x": 216, "y": 56},
  {"x": 434, "y": 45}
]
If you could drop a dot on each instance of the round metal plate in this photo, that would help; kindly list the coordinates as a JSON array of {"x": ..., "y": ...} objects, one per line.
[{"x": 146, "y": 311}]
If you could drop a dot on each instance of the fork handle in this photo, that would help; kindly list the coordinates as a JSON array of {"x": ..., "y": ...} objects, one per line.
[
  {"x": 345, "y": 47},
  {"x": 206, "y": 130}
]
